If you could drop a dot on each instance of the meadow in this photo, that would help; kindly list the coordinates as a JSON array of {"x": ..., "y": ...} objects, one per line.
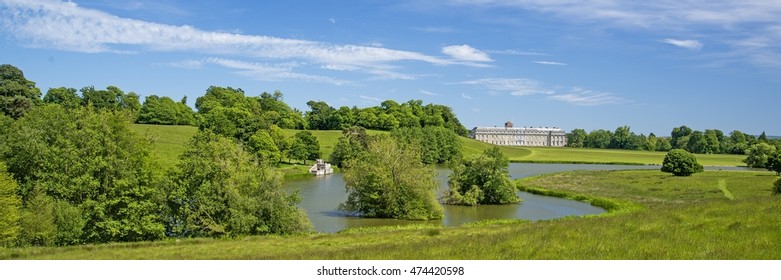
[
  {"x": 651, "y": 215},
  {"x": 674, "y": 218}
]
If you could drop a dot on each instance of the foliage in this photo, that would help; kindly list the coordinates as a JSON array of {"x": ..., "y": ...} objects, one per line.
[
  {"x": 777, "y": 186},
  {"x": 388, "y": 116},
  {"x": 219, "y": 190},
  {"x": 679, "y": 162},
  {"x": 10, "y": 205},
  {"x": 90, "y": 163},
  {"x": 66, "y": 97},
  {"x": 391, "y": 182},
  {"x": 17, "y": 94},
  {"x": 774, "y": 162},
  {"x": 112, "y": 98},
  {"x": 305, "y": 147},
  {"x": 277, "y": 112},
  {"x": 263, "y": 146},
  {"x": 232, "y": 122},
  {"x": 353, "y": 142},
  {"x": 576, "y": 138},
  {"x": 228, "y": 97},
  {"x": 435, "y": 143},
  {"x": 757, "y": 155},
  {"x": 482, "y": 180},
  {"x": 163, "y": 110}
]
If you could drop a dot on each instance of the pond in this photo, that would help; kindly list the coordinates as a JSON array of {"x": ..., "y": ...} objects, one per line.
[{"x": 320, "y": 197}]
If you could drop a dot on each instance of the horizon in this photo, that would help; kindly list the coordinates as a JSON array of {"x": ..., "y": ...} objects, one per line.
[{"x": 590, "y": 65}]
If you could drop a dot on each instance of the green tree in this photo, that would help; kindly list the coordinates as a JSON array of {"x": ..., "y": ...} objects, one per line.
[
  {"x": 218, "y": 189},
  {"x": 91, "y": 161},
  {"x": 762, "y": 137},
  {"x": 698, "y": 144},
  {"x": 283, "y": 142},
  {"x": 774, "y": 162},
  {"x": 163, "y": 110},
  {"x": 482, "y": 180},
  {"x": 577, "y": 138},
  {"x": 777, "y": 186},
  {"x": 679, "y": 162},
  {"x": 264, "y": 147},
  {"x": 757, "y": 155},
  {"x": 66, "y": 97},
  {"x": 350, "y": 145},
  {"x": 10, "y": 205},
  {"x": 680, "y": 137},
  {"x": 322, "y": 116},
  {"x": 17, "y": 94},
  {"x": 599, "y": 139},
  {"x": 391, "y": 182},
  {"x": 435, "y": 143},
  {"x": 232, "y": 122},
  {"x": 305, "y": 146},
  {"x": 216, "y": 97}
]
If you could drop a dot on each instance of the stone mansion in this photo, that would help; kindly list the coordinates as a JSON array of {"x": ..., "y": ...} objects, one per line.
[{"x": 520, "y": 136}]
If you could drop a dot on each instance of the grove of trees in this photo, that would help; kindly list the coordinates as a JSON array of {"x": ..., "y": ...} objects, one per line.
[
  {"x": 390, "y": 181},
  {"x": 482, "y": 180}
]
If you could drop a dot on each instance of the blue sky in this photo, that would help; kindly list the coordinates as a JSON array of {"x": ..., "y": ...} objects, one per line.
[{"x": 565, "y": 63}]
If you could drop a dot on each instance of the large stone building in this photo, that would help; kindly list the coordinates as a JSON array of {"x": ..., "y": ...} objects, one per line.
[{"x": 520, "y": 136}]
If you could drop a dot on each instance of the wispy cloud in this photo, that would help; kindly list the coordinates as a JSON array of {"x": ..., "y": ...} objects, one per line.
[
  {"x": 266, "y": 72},
  {"x": 67, "y": 26},
  {"x": 370, "y": 99},
  {"x": 550, "y": 63},
  {"x": 435, "y": 29},
  {"x": 518, "y": 52},
  {"x": 465, "y": 96},
  {"x": 466, "y": 53},
  {"x": 186, "y": 64},
  {"x": 744, "y": 30},
  {"x": 686, "y": 44},
  {"x": 526, "y": 87},
  {"x": 584, "y": 97},
  {"x": 515, "y": 86},
  {"x": 427, "y": 92}
]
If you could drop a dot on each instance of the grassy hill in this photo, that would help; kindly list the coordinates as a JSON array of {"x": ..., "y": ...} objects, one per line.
[{"x": 169, "y": 143}]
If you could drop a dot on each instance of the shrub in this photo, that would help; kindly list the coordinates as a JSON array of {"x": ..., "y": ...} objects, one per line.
[
  {"x": 680, "y": 163},
  {"x": 777, "y": 186},
  {"x": 482, "y": 180}
]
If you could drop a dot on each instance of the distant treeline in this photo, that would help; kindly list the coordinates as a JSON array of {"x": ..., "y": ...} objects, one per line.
[
  {"x": 710, "y": 141},
  {"x": 266, "y": 109}
]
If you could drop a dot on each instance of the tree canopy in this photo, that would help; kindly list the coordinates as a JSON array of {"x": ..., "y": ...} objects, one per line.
[
  {"x": 391, "y": 182},
  {"x": 17, "y": 94},
  {"x": 482, "y": 180}
]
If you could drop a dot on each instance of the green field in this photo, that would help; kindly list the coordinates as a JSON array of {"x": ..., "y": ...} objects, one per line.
[
  {"x": 676, "y": 218},
  {"x": 169, "y": 141}
]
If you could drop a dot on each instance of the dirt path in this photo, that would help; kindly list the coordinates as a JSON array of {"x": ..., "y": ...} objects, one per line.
[{"x": 723, "y": 188}]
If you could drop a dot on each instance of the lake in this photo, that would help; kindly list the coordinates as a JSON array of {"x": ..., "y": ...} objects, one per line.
[{"x": 320, "y": 197}]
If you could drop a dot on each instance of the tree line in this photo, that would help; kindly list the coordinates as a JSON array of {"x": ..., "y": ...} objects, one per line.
[{"x": 758, "y": 149}]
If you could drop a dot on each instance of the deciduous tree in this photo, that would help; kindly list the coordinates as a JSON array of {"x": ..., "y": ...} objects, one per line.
[
  {"x": 390, "y": 182},
  {"x": 482, "y": 180}
]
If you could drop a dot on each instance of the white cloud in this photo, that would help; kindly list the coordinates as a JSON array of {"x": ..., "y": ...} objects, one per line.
[
  {"x": 466, "y": 53},
  {"x": 465, "y": 96},
  {"x": 583, "y": 97},
  {"x": 516, "y": 86},
  {"x": 67, "y": 26},
  {"x": 370, "y": 99},
  {"x": 266, "y": 72},
  {"x": 427, "y": 92},
  {"x": 187, "y": 64},
  {"x": 686, "y": 44},
  {"x": 332, "y": 20},
  {"x": 518, "y": 52},
  {"x": 550, "y": 63}
]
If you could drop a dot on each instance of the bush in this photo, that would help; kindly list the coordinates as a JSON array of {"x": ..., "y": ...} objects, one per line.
[
  {"x": 680, "y": 163},
  {"x": 777, "y": 186}
]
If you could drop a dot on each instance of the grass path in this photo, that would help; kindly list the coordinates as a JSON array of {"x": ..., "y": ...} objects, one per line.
[{"x": 723, "y": 187}]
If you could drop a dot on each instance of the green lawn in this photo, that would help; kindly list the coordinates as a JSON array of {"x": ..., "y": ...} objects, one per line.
[
  {"x": 168, "y": 141},
  {"x": 678, "y": 218}
]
